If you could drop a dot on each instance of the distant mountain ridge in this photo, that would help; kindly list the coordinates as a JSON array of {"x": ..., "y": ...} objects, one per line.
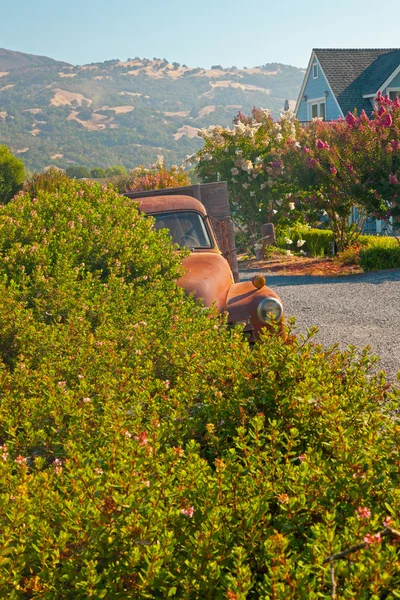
[
  {"x": 10, "y": 60},
  {"x": 127, "y": 112}
]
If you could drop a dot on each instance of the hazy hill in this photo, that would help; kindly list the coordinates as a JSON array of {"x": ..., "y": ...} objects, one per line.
[
  {"x": 9, "y": 59},
  {"x": 125, "y": 112}
]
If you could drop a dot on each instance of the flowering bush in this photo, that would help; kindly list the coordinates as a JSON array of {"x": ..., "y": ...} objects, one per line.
[
  {"x": 146, "y": 451},
  {"x": 248, "y": 156},
  {"x": 376, "y": 151},
  {"x": 156, "y": 178}
]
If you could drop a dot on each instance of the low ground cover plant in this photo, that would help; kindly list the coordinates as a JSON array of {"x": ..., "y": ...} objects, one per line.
[{"x": 147, "y": 452}]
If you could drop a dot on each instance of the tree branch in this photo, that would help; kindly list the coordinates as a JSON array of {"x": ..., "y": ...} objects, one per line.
[{"x": 385, "y": 532}]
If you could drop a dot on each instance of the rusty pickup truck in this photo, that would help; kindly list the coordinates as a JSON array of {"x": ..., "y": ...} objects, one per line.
[{"x": 208, "y": 275}]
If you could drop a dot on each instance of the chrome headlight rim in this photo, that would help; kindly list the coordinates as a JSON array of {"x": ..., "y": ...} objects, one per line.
[{"x": 275, "y": 317}]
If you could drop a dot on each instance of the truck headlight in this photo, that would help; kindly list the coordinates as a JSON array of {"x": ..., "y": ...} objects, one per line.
[{"x": 269, "y": 308}]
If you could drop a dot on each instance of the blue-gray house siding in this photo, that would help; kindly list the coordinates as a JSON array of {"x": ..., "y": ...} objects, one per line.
[{"x": 317, "y": 90}]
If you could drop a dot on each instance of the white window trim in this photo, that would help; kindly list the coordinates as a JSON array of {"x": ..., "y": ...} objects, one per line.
[
  {"x": 317, "y": 101},
  {"x": 396, "y": 89},
  {"x": 313, "y": 67}
]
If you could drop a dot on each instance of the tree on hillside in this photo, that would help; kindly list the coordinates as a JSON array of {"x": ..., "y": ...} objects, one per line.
[
  {"x": 77, "y": 172},
  {"x": 12, "y": 174}
]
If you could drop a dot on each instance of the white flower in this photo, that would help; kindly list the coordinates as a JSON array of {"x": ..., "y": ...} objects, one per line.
[
  {"x": 301, "y": 252},
  {"x": 207, "y": 156},
  {"x": 160, "y": 161},
  {"x": 288, "y": 241},
  {"x": 288, "y": 253},
  {"x": 258, "y": 160},
  {"x": 238, "y": 152},
  {"x": 234, "y": 171},
  {"x": 297, "y": 145},
  {"x": 252, "y": 194},
  {"x": 263, "y": 185},
  {"x": 247, "y": 166},
  {"x": 300, "y": 243},
  {"x": 279, "y": 137},
  {"x": 291, "y": 205},
  {"x": 274, "y": 212},
  {"x": 245, "y": 185}
]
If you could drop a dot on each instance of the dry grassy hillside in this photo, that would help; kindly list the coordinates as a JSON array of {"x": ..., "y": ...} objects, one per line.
[{"x": 125, "y": 112}]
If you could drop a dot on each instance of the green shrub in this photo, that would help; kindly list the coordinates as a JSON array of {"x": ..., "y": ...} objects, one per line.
[
  {"x": 147, "y": 452},
  {"x": 318, "y": 242},
  {"x": 12, "y": 174},
  {"x": 379, "y": 253}
]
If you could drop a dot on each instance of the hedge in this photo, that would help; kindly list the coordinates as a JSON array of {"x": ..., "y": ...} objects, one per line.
[
  {"x": 147, "y": 452},
  {"x": 380, "y": 253}
]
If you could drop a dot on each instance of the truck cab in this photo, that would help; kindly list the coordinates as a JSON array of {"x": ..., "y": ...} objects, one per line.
[{"x": 208, "y": 275}]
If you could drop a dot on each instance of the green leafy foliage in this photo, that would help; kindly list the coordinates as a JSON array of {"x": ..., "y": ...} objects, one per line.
[
  {"x": 380, "y": 253},
  {"x": 12, "y": 174},
  {"x": 317, "y": 242},
  {"x": 147, "y": 451}
]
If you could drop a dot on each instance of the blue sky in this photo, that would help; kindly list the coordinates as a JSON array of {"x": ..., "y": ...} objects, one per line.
[{"x": 196, "y": 33}]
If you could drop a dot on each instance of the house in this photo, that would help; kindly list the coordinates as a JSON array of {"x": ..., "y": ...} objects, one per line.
[{"x": 340, "y": 81}]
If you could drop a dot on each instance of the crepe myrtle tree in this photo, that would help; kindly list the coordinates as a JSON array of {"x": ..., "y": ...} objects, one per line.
[
  {"x": 248, "y": 156},
  {"x": 376, "y": 151},
  {"x": 324, "y": 178}
]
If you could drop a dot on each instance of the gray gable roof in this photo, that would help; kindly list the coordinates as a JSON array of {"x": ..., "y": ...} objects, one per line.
[{"x": 353, "y": 73}]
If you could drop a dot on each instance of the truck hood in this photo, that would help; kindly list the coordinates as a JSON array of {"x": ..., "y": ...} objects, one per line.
[{"x": 208, "y": 276}]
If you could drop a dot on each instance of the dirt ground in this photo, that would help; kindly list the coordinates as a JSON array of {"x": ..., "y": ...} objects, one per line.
[{"x": 300, "y": 265}]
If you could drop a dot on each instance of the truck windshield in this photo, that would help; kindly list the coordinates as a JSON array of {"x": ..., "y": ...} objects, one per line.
[{"x": 187, "y": 229}]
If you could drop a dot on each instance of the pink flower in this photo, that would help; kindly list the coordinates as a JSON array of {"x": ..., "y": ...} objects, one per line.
[
  {"x": 302, "y": 457},
  {"x": 86, "y": 400},
  {"x": 21, "y": 460},
  {"x": 350, "y": 119},
  {"x": 311, "y": 163},
  {"x": 333, "y": 170},
  {"x": 363, "y": 512},
  {"x": 373, "y": 538},
  {"x": 188, "y": 511},
  {"x": 387, "y": 121},
  {"x": 57, "y": 466},
  {"x": 127, "y": 434},
  {"x": 322, "y": 145},
  {"x": 387, "y": 522},
  {"x": 381, "y": 111},
  {"x": 364, "y": 117},
  {"x": 142, "y": 438},
  {"x": 395, "y": 145},
  {"x": 393, "y": 178}
]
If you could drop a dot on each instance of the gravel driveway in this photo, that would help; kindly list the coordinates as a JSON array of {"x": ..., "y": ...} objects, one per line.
[{"x": 362, "y": 310}]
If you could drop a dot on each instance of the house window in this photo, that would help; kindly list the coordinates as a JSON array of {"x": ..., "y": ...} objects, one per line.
[
  {"x": 315, "y": 71},
  {"x": 318, "y": 110},
  {"x": 394, "y": 93}
]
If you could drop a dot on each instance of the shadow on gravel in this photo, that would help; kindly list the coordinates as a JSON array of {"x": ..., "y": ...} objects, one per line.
[{"x": 273, "y": 280}]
